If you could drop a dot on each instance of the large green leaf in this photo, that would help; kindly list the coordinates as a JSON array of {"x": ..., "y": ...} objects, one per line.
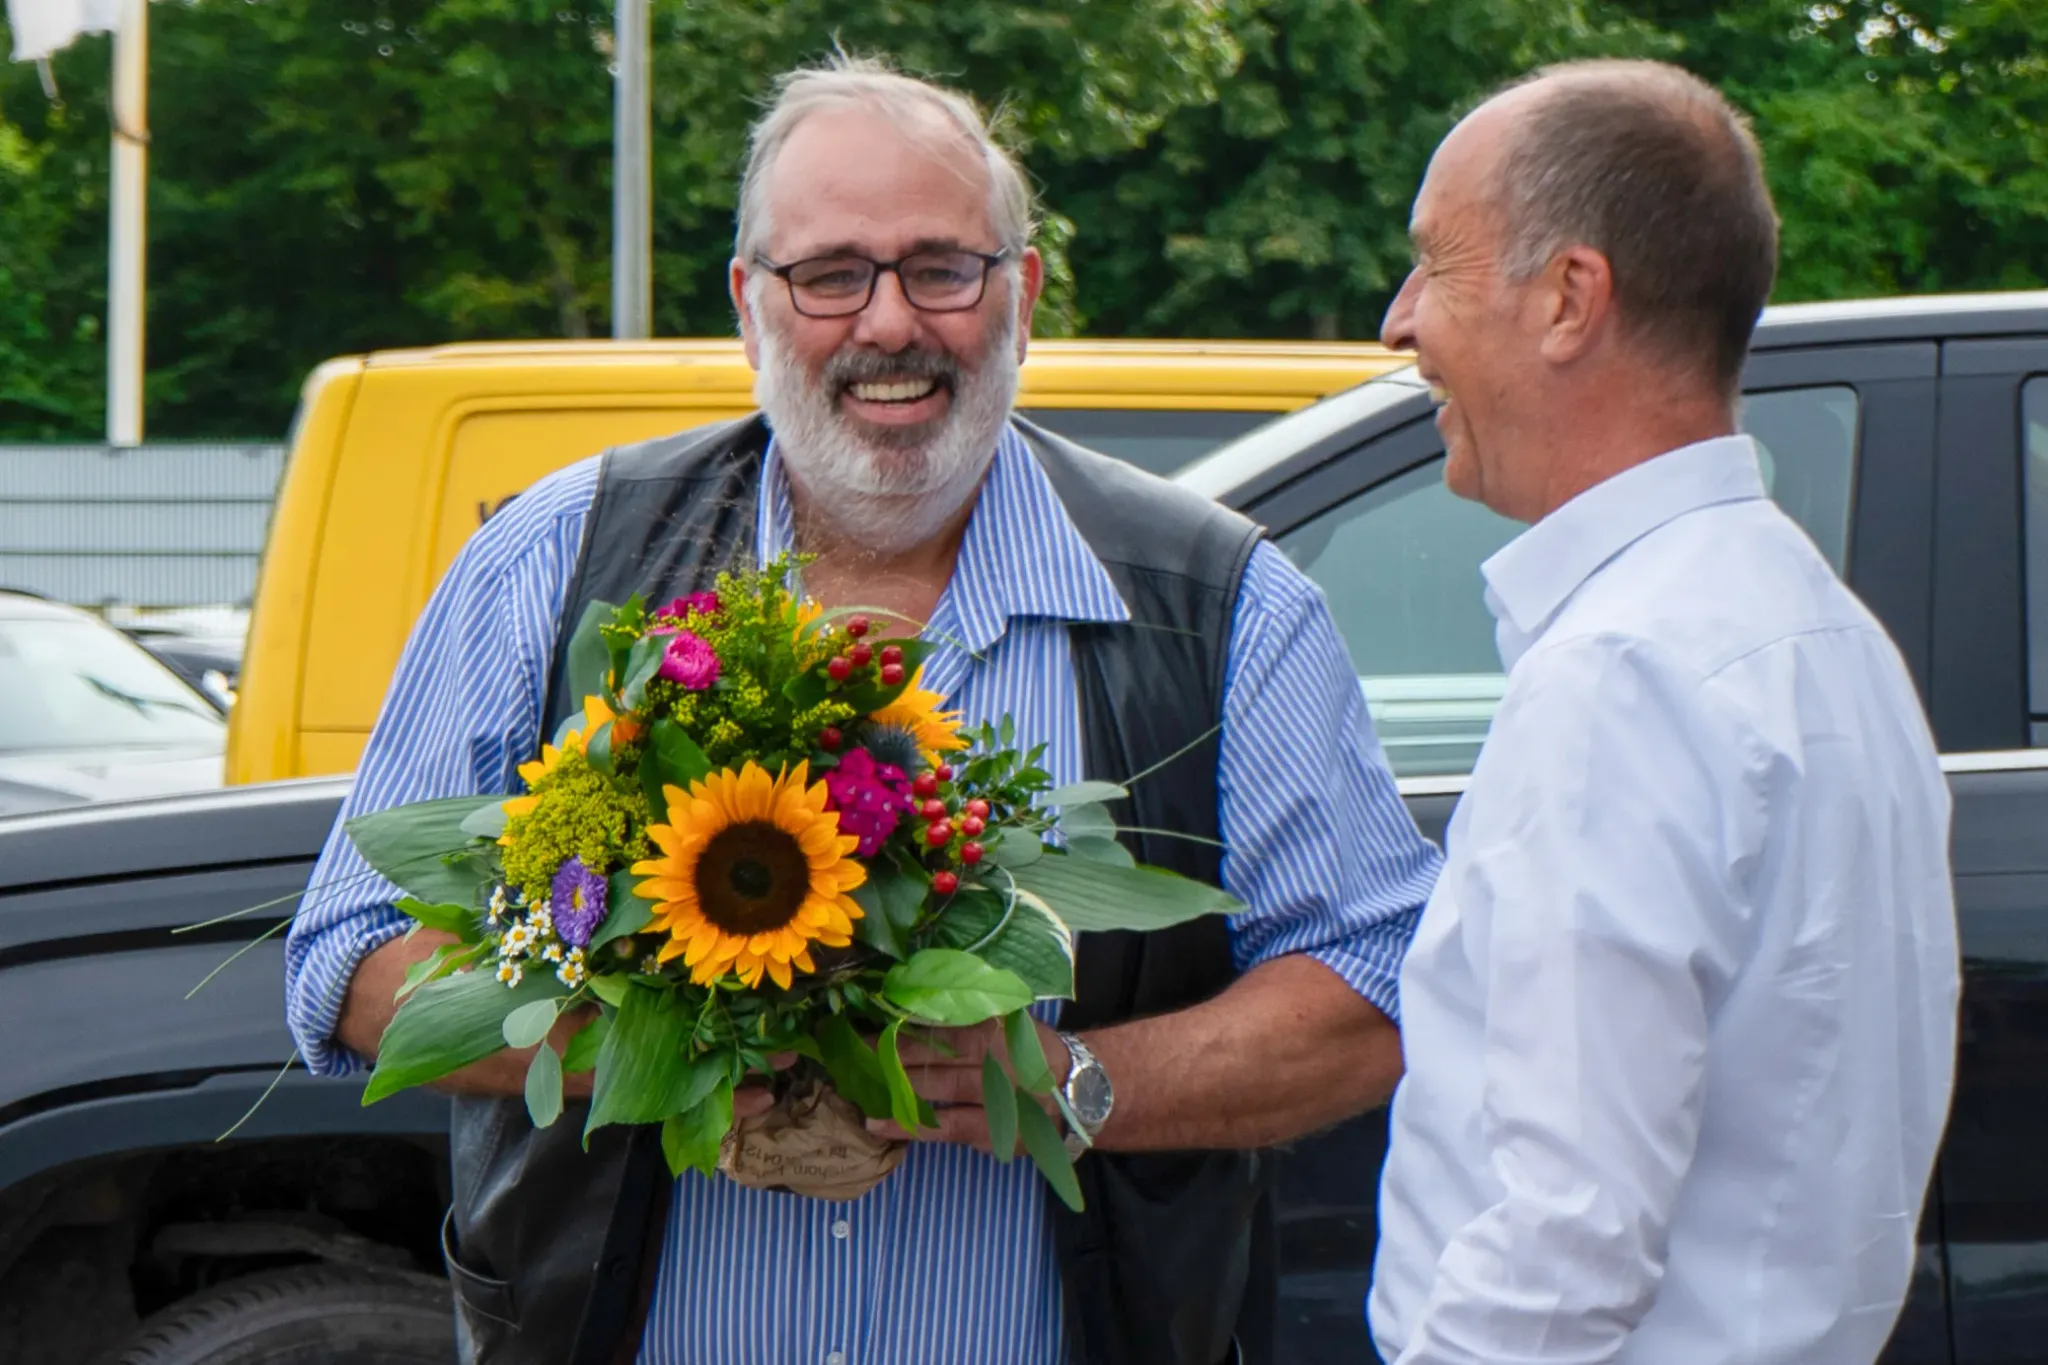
[
  {"x": 409, "y": 843},
  {"x": 1034, "y": 944},
  {"x": 584, "y": 1047},
  {"x": 1027, "y": 1053},
  {"x": 590, "y": 658},
  {"x": 691, "y": 1140},
  {"x": 447, "y": 1024},
  {"x": 1098, "y": 896},
  {"x": 999, "y": 1100},
  {"x": 904, "y": 1105},
  {"x": 1087, "y": 821},
  {"x": 1014, "y": 848},
  {"x": 487, "y": 822},
  {"x": 1081, "y": 793},
  {"x": 625, "y": 913},
  {"x": 544, "y": 1087},
  {"x": 449, "y": 957},
  {"x": 460, "y": 920},
  {"x": 1094, "y": 848},
  {"x": 677, "y": 757},
  {"x": 890, "y": 900},
  {"x": 947, "y": 986},
  {"x": 855, "y": 1069},
  {"x": 642, "y": 663},
  {"x": 643, "y": 1074},
  {"x": 1048, "y": 1153}
]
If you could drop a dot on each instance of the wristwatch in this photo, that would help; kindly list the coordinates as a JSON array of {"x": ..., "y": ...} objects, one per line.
[{"x": 1087, "y": 1096}]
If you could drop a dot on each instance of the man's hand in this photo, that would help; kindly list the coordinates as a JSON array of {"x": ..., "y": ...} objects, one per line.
[{"x": 953, "y": 1082}]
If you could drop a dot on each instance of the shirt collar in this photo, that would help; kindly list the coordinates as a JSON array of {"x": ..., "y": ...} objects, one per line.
[
  {"x": 1022, "y": 555},
  {"x": 1533, "y": 576}
]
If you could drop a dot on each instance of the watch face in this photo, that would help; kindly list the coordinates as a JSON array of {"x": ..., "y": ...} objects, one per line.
[{"x": 1090, "y": 1096}]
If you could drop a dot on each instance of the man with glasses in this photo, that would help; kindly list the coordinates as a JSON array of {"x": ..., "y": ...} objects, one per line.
[{"x": 884, "y": 280}]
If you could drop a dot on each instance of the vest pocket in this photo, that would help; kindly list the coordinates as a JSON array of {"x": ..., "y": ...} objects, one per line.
[{"x": 477, "y": 1295}]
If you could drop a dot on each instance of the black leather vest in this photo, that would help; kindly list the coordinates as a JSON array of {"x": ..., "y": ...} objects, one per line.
[{"x": 552, "y": 1249}]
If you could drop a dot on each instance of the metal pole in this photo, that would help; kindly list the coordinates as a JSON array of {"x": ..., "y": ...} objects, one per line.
[
  {"x": 632, "y": 178},
  {"x": 127, "y": 237}
]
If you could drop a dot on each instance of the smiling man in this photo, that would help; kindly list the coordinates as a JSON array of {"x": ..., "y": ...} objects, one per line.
[
  {"x": 884, "y": 280},
  {"x": 1680, "y": 1016}
]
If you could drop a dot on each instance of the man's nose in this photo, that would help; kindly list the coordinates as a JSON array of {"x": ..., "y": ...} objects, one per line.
[
  {"x": 1397, "y": 330},
  {"x": 888, "y": 323}
]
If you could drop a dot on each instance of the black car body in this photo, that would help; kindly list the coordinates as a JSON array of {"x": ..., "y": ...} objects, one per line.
[{"x": 1909, "y": 437}]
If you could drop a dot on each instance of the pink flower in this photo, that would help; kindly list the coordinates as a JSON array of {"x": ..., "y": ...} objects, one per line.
[
  {"x": 703, "y": 603},
  {"x": 871, "y": 798},
  {"x": 689, "y": 662}
]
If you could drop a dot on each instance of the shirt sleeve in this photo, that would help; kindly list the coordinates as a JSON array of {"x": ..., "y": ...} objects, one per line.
[
  {"x": 1607, "y": 845},
  {"x": 1318, "y": 843},
  {"x": 462, "y": 711}
]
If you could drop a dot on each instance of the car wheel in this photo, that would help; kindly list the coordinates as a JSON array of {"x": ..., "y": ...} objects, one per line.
[{"x": 308, "y": 1315}]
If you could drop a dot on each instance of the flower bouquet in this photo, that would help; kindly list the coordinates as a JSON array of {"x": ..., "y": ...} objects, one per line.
[{"x": 762, "y": 839}]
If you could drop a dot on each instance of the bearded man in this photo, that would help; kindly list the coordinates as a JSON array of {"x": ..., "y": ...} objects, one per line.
[{"x": 885, "y": 281}]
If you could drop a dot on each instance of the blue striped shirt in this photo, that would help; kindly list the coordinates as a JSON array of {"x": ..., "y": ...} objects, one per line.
[{"x": 950, "y": 1258}]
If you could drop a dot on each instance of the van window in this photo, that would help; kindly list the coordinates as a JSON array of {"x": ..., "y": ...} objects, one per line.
[
  {"x": 2034, "y": 417},
  {"x": 1154, "y": 441},
  {"x": 1399, "y": 564}
]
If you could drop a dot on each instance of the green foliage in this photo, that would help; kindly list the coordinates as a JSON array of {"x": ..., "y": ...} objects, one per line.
[
  {"x": 446, "y": 1025},
  {"x": 420, "y": 846}
]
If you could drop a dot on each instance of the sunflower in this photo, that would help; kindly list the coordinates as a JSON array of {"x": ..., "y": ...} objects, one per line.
[
  {"x": 595, "y": 713},
  {"x": 753, "y": 870},
  {"x": 917, "y": 713}
]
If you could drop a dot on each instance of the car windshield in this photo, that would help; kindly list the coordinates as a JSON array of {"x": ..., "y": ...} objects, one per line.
[{"x": 69, "y": 683}]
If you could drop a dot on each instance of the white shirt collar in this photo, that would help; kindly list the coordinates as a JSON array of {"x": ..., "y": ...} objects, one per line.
[{"x": 1536, "y": 573}]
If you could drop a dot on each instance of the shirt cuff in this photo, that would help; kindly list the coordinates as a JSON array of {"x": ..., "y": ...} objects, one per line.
[
  {"x": 1370, "y": 961},
  {"x": 321, "y": 987}
]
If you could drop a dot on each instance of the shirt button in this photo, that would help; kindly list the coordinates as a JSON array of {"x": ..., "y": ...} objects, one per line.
[
  {"x": 836, "y": 1358},
  {"x": 840, "y": 1230}
]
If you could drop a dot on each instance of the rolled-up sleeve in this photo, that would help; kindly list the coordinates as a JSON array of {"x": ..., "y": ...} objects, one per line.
[
  {"x": 462, "y": 710},
  {"x": 1318, "y": 843}
]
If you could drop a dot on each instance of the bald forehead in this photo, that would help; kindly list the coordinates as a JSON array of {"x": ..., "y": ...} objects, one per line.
[{"x": 854, "y": 178}]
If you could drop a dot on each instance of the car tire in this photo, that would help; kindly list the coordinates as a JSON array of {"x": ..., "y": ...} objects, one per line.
[{"x": 308, "y": 1315}]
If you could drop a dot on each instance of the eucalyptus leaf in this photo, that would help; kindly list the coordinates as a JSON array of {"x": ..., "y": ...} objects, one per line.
[
  {"x": 1048, "y": 1153},
  {"x": 643, "y": 1074},
  {"x": 420, "y": 846},
  {"x": 1086, "y": 821},
  {"x": 582, "y": 1051},
  {"x": 953, "y": 988},
  {"x": 1105, "y": 849},
  {"x": 1027, "y": 1053},
  {"x": 642, "y": 663},
  {"x": 544, "y": 1087},
  {"x": 691, "y": 1140},
  {"x": 1015, "y": 848},
  {"x": 904, "y": 1105},
  {"x": 1094, "y": 896},
  {"x": 488, "y": 822},
  {"x": 589, "y": 657},
  {"x": 447, "y": 1024},
  {"x": 1081, "y": 793},
  {"x": 855, "y": 1069},
  {"x": 625, "y": 912},
  {"x": 999, "y": 1101},
  {"x": 460, "y": 920},
  {"x": 527, "y": 1025}
]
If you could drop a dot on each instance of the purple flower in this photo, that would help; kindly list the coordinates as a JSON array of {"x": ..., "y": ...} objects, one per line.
[
  {"x": 871, "y": 798},
  {"x": 578, "y": 901},
  {"x": 703, "y": 603},
  {"x": 690, "y": 662}
]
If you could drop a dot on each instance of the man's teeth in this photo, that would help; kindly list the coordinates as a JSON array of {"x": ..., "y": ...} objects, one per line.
[{"x": 903, "y": 391}]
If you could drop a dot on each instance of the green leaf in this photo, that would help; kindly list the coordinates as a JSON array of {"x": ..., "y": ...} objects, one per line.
[
  {"x": 947, "y": 986},
  {"x": 999, "y": 1099},
  {"x": 584, "y": 1046},
  {"x": 1027, "y": 1053},
  {"x": 677, "y": 756},
  {"x": 487, "y": 822},
  {"x": 1083, "y": 793},
  {"x": 1015, "y": 848},
  {"x": 544, "y": 1087},
  {"x": 890, "y": 900},
  {"x": 642, "y": 663},
  {"x": 447, "y": 1024},
  {"x": 597, "y": 747},
  {"x": 443, "y": 960},
  {"x": 527, "y": 1025},
  {"x": 855, "y": 1069},
  {"x": 1034, "y": 944},
  {"x": 625, "y": 913},
  {"x": 460, "y": 920},
  {"x": 1086, "y": 821},
  {"x": 613, "y": 990},
  {"x": 1108, "y": 850},
  {"x": 691, "y": 1140},
  {"x": 1096, "y": 896},
  {"x": 1048, "y": 1153},
  {"x": 643, "y": 1074},
  {"x": 589, "y": 657},
  {"x": 904, "y": 1105},
  {"x": 409, "y": 843}
]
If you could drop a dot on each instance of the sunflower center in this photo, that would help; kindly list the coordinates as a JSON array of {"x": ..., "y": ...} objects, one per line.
[{"x": 752, "y": 878}]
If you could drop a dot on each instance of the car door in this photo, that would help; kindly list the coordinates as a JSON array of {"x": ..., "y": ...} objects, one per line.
[
  {"x": 1847, "y": 435},
  {"x": 1991, "y": 698}
]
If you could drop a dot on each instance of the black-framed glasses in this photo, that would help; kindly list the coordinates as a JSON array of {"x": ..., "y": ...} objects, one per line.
[{"x": 952, "y": 280}]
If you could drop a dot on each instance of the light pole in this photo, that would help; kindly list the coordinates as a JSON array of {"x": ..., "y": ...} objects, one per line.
[
  {"x": 128, "y": 229},
  {"x": 632, "y": 177}
]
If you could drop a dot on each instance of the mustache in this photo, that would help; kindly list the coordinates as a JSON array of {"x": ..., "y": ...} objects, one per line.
[{"x": 865, "y": 365}]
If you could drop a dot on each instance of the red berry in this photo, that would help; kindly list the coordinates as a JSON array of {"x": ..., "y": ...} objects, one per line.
[
  {"x": 892, "y": 654},
  {"x": 857, "y": 626},
  {"x": 829, "y": 739},
  {"x": 945, "y": 772},
  {"x": 945, "y": 883},
  {"x": 925, "y": 785},
  {"x": 892, "y": 674},
  {"x": 970, "y": 854},
  {"x": 860, "y": 654},
  {"x": 972, "y": 826},
  {"x": 939, "y": 834},
  {"x": 840, "y": 669},
  {"x": 933, "y": 809},
  {"x": 978, "y": 808}
]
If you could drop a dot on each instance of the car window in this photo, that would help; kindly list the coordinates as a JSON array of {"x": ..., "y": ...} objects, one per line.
[
  {"x": 1156, "y": 441},
  {"x": 1400, "y": 566},
  {"x": 2034, "y": 416},
  {"x": 75, "y": 684}
]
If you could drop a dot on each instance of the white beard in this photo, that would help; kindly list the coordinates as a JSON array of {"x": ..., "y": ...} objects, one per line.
[{"x": 887, "y": 495}]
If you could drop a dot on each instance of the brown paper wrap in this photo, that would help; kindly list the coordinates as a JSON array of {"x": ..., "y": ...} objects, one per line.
[{"x": 813, "y": 1142}]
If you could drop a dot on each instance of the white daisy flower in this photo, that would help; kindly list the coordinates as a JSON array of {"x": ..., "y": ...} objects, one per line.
[{"x": 510, "y": 973}]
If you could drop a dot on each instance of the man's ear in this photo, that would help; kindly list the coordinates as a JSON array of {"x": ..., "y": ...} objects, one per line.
[
  {"x": 750, "y": 333},
  {"x": 1030, "y": 284},
  {"x": 1579, "y": 298}
]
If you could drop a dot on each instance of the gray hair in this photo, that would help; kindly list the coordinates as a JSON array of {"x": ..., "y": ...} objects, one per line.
[
  {"x": 1650, "y": 166},
  {"x": 927, "y": 113}
]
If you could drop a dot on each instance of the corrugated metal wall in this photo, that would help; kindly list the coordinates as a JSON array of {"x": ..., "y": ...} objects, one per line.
[{"x": 155, "y": 526}]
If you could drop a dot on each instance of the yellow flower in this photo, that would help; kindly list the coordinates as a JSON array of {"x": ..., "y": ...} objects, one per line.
[
  {"x": 917, "y": 712},
  {"x": 752, "y": 871},
  {"x": 595, "y": 713}
]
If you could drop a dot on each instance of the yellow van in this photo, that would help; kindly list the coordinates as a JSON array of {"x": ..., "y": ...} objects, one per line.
[{"x": 398, "y": 456}]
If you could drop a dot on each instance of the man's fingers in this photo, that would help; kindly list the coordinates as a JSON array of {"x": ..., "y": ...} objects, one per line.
[
  {"x": 751, "y": 1101},
  {"x": 965, "y": 1047},
  {"x": 947, "y": 1084},
  {"x": 966, "y": 1124}
]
